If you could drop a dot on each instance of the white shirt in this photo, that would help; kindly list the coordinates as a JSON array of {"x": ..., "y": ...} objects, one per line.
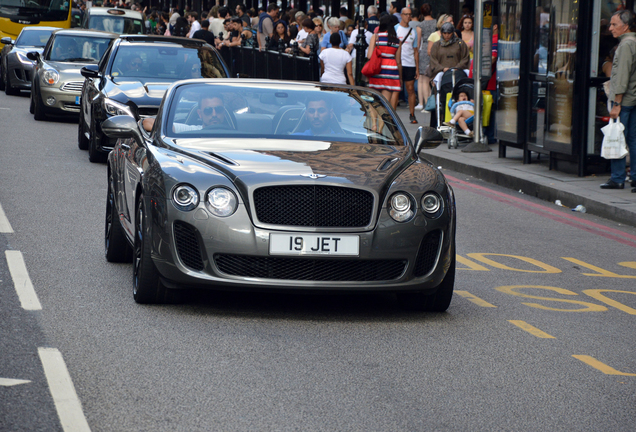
[
  {"x": 335, "y": 60},
  {"x": 302, "y": 35},
  {"x": 196, "y": 26},
  {"x": 354, "y": 38},
  {"x": 408, "y": 56}
]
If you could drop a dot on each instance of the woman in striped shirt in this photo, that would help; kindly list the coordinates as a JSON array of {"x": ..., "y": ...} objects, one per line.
[{"x": 387, "y": 43}]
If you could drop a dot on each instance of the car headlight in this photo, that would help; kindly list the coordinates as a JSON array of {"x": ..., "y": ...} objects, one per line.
[
  {"x": 401, "y": 207},
  {"x": 185, "y": 197},
  {"x": 50, "y": 76},
  {"x": 115, "y": 108},
  {"x": 23, "y": 59},
  {"x": 222, "y": 202},
  {"x": 431, "y": 203}
]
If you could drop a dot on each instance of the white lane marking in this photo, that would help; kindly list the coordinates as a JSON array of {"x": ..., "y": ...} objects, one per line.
[
  {"x": 21, "y": 281},
  {"x": 67, "y": 404},
  {"x": 8, "y": 382},
  {"x": 8, "y": 109},
  {"x": 5, "y": 226}
]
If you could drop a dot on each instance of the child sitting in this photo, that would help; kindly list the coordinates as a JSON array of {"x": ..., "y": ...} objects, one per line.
[{"x": 462, "y": 112}]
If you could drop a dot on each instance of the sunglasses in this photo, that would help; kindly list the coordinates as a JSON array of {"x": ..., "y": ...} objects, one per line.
[
  {"x": 312, "y": 111},
  {"x": 213, "y": 110}
]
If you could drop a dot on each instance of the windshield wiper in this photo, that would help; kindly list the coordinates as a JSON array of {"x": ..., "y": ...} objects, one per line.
[{"x": 79, "y": 59}]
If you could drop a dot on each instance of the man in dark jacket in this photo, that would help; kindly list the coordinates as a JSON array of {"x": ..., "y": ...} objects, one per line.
[{"x": 204, "y": 34}]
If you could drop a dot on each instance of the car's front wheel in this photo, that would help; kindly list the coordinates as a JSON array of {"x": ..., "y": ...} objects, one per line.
[
  {"x": 116, "y": 246},
  {"x": 94, "y": 154},
  {"x": 38, "y": 106},
  {"x": 439, "y": 301},
  {"x": 1, "y": 77},
  {"x": 147, "y": 286},
  {"x": 82, "y": 141}
]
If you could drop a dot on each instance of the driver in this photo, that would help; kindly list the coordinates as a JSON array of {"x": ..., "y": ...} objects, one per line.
[
  {"x": 320, "y": 117},
  {"x": 134, "y": 65},
  {"x": 212, "y": 114},
  {"x": 65, "y": 49}
]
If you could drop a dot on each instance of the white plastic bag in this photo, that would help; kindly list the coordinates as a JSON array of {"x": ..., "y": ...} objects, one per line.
[{"x": 614, "y": 145}]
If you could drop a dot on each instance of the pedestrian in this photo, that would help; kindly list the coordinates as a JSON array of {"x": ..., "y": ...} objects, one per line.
[
  {"x": 334, "y": 61},
  {"x": 281, "y": 33},
  {"x": 266, "y": 24},
  {"x": 205, "y": 33},
  {"x": 623, "y": 94},
  {"x": 195, "y": 26},
  {"x": 465, "y": 31},
  {"x": 334, "y": 27},
  {"x": 372, "y": 21},
  {"x": 448, "y": 52},
  {"x": 428, "y": 25},
  {"x": 388, "y": 44},
  {"x": 409, "y": 58}
]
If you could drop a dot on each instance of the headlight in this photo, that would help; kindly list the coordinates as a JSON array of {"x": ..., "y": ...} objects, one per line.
[
  {"x": 431, "y": 203},
  {"x": 185, "y": 197},
  {"x": 222, "y": 202},
  {"x": 401, "y": 207},
  {"x": 115, "y": 108},
  {"x": 23, "y": 59},
  {"x": 50, "y": 76}
]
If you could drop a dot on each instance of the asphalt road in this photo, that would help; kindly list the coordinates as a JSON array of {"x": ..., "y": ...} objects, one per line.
[{"x": 502, "y": 358}]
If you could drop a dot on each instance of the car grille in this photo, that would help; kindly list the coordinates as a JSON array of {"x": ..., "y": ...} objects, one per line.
[
  {"x": 75, "y": 86},
  {"x": 188, "y": 247},
  {"x": 427, "y": 254},
  {"x": 309, "y": 269},
  {"x": 314, "y": 206}
]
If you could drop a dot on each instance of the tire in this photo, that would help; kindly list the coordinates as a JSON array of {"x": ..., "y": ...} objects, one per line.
[
  {"x": 95, "y": 155},
  {"x": 82, "y": 141},
  {"x": 147, "y": 286},
  {"x": 116, "y": 246},
  {"x": 2, "y": 77},
  {"x": 439, "y": 301},
  {"x": 39, "y": 112},
  {"x": 8, "y": 89},
  {"x": 31, "y": 104}
]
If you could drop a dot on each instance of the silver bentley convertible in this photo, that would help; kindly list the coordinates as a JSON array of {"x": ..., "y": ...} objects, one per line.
[{"x": 271, "y": 185}]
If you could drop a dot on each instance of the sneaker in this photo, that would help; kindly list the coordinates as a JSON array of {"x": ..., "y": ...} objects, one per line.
[
  {"x": 447, "y": 124},
  {"x": 419, "y": 107},
  {"x": 412, "y": 119},
  {"x": 471, "y": 134}
]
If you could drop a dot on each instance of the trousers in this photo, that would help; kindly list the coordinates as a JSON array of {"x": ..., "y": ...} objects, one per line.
[{"x": 618, "y": 166}]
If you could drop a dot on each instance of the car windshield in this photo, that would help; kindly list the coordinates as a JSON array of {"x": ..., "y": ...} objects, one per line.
[
  {"x": 84, "y": 49},
  {"x": 33, "y": 38},
  {"x": 116, "y": 24},
  {"x": 280, "y": 111},
  {"x": 166, "y": 61}
]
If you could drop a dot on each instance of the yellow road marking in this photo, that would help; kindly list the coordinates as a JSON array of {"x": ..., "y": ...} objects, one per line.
[
  {"x": 628, "y": 264},
  {"x": 607, "y": 370},
  {"x": 531, "y": 329},
  {"x": 545, "y": 267},
  {"x": 596, "y": 293},
  {"x": 474, "y": 299},
  {"x": 599, "y": 271},
  {"x": 470, "y": 264},
  {"x": 588, "y": 307}
]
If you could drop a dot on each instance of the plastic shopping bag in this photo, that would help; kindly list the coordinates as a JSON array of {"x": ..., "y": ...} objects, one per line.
[{"x": 614, "y": 145}]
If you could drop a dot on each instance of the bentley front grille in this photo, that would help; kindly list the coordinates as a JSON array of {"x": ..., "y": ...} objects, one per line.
[
  {"x": 188, "y": 248},
  {"x": 314, "y": 206},
  {"x": 427, "y": 254},
  {"x": 310, "y": 269}
]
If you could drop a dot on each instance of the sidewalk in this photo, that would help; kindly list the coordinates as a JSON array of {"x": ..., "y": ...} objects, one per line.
[{"x": 533, "y": 179}]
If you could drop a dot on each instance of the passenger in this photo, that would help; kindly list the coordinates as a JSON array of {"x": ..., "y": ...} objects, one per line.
[{"x": 320, "y": 117}]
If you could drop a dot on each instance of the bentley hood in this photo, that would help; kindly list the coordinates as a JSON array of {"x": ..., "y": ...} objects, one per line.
[{"x": 251, "y": 162}]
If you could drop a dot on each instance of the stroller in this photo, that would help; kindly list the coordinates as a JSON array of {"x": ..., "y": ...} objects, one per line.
[{"x": 452, "y": 82}]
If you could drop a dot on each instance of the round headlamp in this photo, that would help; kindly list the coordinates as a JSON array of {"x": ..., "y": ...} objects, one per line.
[
  {"x": 185, "y": 197},
  {"x": 401, "y": 207},
  {"x": 50, "y": 76},
  {"x": 431, "y": 203},
  {"x": 222, "y": 202}
]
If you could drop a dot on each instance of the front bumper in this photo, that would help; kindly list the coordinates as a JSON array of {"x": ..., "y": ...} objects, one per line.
[
  {"x": 66, "y": 101},
  {"x": 19, "y": 74},
  {"x": 235, "y": 236}
]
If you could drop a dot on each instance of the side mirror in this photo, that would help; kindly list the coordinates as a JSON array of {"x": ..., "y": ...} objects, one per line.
[
  {"x": 7, "y": 41},
  {"x": 33, "y": 55},
  {"x": 121, "y": 126},
  {"x": 90, "y": 71},
  {"x": 427, "y": 137}
]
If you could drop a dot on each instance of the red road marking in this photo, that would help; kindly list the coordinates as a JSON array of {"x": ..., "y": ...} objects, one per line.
[{"x": 550, "y": 213}]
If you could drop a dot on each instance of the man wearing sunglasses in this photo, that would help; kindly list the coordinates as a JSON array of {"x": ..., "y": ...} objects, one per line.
[{"x": 212, "y": 114}]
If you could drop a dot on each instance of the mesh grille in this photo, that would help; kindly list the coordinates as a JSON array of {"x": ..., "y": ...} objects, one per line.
[
  {"x": 427, "y": 254},
  {"x": 314, "y": 206},
  {"x": 188, "y": 248},
  {"x": 73, "y": 86},
  {"x": 310, "y": 269}
]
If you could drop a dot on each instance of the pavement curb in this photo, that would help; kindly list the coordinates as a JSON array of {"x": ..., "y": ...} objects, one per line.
[{"x": 531, "y": 186}]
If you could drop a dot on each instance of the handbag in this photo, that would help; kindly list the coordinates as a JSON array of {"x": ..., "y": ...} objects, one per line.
[
  {"x": 374, "y": 65},
  {"x": 431, "y": 103},
  {"x": 614, "y": 145}
]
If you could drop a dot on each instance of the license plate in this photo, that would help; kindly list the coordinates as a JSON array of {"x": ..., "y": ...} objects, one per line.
[
  {"x": 77, "y": 100},
  {"x": 313, "y": 244}
]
